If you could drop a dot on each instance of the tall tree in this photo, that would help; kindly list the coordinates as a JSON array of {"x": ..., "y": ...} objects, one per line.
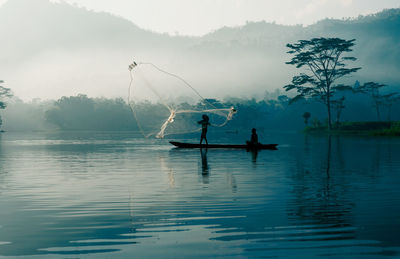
[
  {"x": 372, "y": 89},
  {"x": 338, "y": 106},
  {"x": 324, "y": 64},
  {"x": 389, "y": 100},
  {"x": 378, "y": 99}
]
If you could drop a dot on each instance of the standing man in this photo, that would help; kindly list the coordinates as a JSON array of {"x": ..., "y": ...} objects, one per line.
[{"x": 204, "y": 125}]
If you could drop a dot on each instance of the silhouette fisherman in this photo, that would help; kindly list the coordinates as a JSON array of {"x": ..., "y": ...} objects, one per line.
[
  {"x": 254, "y": 138},
  {"x": 204, "y": 125}
]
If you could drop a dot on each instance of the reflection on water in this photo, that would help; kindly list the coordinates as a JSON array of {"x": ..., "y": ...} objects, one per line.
[
  {"x": 319, "y": 198},
  {"x": 205, "y": 169},
  {"x": 204, "y": 164},
  {"x": 114, "y": 195},
  {"x": 254, "y": 154}
]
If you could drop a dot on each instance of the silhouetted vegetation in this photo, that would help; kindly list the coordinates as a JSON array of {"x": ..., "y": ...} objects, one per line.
[
  {"x": 271, "y": 113},
  {"x": 4, "y": 93},
  {"x": 378, "y": 98},
  {"x": 247, "y": 45},
  {"x": 324, "y": 64},
  {"x": 375, "y": 128},
  {"x": 84, "y": 113},
  {"x": 393, "y": 130}
]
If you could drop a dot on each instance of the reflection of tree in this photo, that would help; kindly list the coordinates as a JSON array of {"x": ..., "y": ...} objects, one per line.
[
  {"x": 339, "y": 159},
  {"x": 320, "y": 194},
  {"x": 3, "y": 173},
  {"x": 328, "y": 158}
]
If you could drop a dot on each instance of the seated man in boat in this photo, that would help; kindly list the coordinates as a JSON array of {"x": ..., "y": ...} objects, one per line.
[
  {"x": 204, "y": 125},
  {"x": 254, "y": 138}
]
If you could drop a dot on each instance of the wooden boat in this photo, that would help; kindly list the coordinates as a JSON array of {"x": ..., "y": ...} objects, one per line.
[{"x": 236, "y": 146}]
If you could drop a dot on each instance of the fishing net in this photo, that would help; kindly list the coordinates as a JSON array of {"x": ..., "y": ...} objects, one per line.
[{"x": 163, "y": 103}]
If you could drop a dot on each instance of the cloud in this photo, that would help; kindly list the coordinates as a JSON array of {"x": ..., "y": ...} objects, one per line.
[
  {"x": 310, "y": 8},
  {"x": 318, "y": 9},
  {"x": 346, "y": 3}
]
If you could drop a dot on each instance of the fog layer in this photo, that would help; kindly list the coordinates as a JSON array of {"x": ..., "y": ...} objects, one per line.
[{"x": 51, "y": 50}]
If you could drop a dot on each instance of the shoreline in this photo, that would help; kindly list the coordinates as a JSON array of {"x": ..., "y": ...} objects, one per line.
[{"x": 364, "y": 128}]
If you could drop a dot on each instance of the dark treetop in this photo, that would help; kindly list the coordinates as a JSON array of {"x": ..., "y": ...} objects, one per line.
[{"x": 324, "y": 63}]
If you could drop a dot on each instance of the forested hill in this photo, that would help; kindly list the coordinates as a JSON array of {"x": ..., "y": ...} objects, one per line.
[
  {"x": 53, "y": 49},
  {"x": 377, "y": 41}
]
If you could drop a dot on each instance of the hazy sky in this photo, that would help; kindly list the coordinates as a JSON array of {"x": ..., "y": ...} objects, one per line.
[{"x": 197, "y": 17}]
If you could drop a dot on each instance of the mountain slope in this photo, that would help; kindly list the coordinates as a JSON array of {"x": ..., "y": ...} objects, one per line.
[{"x": 54, "y": 49}]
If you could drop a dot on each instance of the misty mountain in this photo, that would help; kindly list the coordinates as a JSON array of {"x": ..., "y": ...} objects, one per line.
[
  {"x": 50, "y": 50},
  {"x": 33, "y": 26}
]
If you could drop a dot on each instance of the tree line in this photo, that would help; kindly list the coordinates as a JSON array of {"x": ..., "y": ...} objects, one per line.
[
  {"x": 323, "y": 64},
  {"x": 275, "y": 111}
]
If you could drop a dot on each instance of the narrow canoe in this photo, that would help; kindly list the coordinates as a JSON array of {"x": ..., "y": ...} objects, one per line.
[{"x": 192, "y": 145}]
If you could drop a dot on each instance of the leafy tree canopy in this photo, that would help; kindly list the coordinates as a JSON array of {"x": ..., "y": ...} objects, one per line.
[{"x": 324, "y": 63}]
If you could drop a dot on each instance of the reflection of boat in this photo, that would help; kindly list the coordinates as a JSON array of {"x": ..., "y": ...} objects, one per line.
[{"x": 251, "y": 147}]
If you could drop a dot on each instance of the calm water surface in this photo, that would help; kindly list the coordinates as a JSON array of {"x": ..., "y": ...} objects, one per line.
[{"x": 112, "y": 195}]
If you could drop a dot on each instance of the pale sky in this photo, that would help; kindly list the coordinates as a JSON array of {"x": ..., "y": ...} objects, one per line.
[{"x": 198, "y": 17}]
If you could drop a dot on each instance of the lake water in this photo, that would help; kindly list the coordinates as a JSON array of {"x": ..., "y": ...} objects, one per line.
[{"x": 113, "y": 195}]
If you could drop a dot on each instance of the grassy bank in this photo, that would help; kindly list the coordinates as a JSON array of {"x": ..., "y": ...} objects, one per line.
[{"x": 373, "y": 128}]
